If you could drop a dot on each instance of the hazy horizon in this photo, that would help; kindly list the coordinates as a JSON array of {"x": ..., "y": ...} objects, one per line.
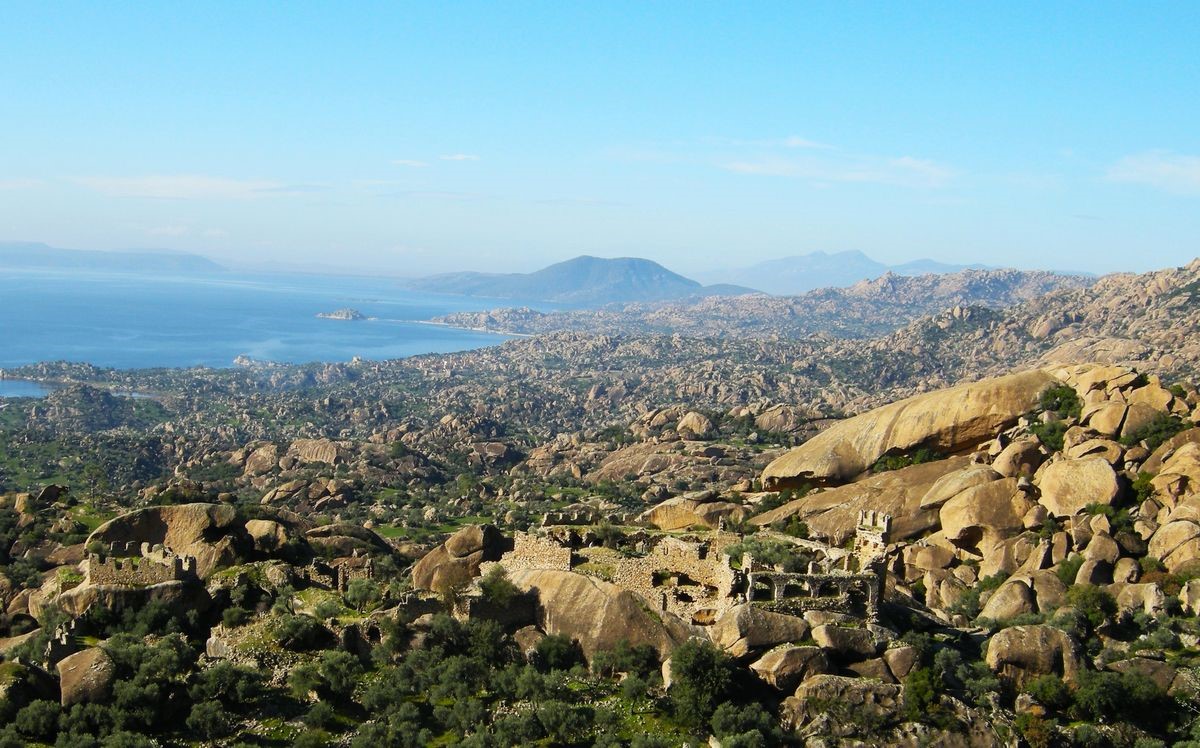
[{"x": 422, "y": 139}]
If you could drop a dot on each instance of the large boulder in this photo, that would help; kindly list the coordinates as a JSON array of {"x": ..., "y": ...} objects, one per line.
[
  {"x": 745, "y": 628},
  {"x": 86, "y": 677},
  {"x": 866, "y": 699},
  {"x": 833, "y": 513},
  {"x": 982, "y": 516},
  {"x": 845, "y": 643},
  {"x": 685, "y": 511},
  {"x": 695, "y": 424},
  {"x": 785, "y": 667},
  {"x": 344, "y": 538},
  {"x": 308, "y": 451},
  {"x": 952, "y": 421},
  {"x": 1013, "y": 598},
  {"x": 598, "y": 614},
  {"x": 456, "y": 561},
  {"x": 1021, "y": 653},
  {"x": 1068, "y": 486},
  {"x": 213, "y": 534}
]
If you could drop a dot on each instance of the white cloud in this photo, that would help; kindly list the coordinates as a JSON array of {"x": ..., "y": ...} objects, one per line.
[
  {"x": 795, "y": 141},
  {"x": 215, "y": 234},
  {"x": 174, "y": 230},
  {"x": 1164, "y": 170},
  {"x": 902, "y": 171},
  {"x": 185, "y": 187},
  {"x": 19, "y": 184},
  {"x": 459, "y": 157},
  {"x": 412, "y": 163}
]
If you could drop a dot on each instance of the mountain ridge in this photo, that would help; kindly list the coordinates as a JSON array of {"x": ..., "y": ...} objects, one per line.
[{"x": 583, "y": 280}]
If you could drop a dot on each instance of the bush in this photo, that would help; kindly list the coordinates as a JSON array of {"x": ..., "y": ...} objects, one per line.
[
  {"x": 702, "y": 678},
  {"x": 1101, "y": 696},
  {"x": 320, "y": 715},
  {"x": 297, "y": 632},
  {"x": 558, "y": 652},
  {"x": 361, "y": 593},
  {"x": 38, "y": 720},
  {"x": 235, "y": 616},
  {"x": 1156, "y": 432},
  {"x": 1061, "y": 399},
  {"x": 1069, "y": 569},
  {"x": 1050, "y": 691},
  {"x": 208, "y": 719},
  {"x": 496, "y": 587},
  {"x": 1050, "y": 434},
  {"x": 1095, "y": 604}
]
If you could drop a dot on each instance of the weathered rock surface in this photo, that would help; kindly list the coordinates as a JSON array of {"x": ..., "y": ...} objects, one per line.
[
  {"x": 683, "y": 512},
  {"x": 86, "y": 676},
  {"x": 980, "y": 517},
  {"x": 745, "y": 628},
  {"x": 1068, "y": 486},
  {"x": 596, "y": 613},
  {"x": 785, "y": 667},
  {"x": 457, "y": 560},
  {"x": 1021, "y": 653},
  {"x": 867, "y": 698},
  {"x": 209, "y": 532},
  {"x": 834, "y": 512},
  {"x": 950, "y": 421}
]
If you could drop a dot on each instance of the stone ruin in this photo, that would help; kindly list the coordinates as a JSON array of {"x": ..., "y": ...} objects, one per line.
[
  {"x": 138, "y": 565},
  {"x": 697, "y": 581},
  {"x": 338, "y": 573}
]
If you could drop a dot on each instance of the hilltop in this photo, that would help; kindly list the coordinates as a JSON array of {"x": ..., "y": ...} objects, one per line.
[
  {"x": 800, "y": 273},
  {"x": 36, "y": 255},
  {"x": 581, "y": 281}
]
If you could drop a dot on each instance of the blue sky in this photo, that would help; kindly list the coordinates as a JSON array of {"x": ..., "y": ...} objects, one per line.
[{"x": 410, "y": 138}]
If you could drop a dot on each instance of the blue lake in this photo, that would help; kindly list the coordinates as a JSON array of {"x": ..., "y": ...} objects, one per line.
[{"x": 135, "y": 321}]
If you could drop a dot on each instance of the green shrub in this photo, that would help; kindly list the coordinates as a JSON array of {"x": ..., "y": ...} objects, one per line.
[
  {"x": 702, "y": 679},
  {"x": 497, "y": 588},
  {"x": 1050, "y": 434},
  {"x": 1050, "y": 691},
  {"x": 1094, "y": 603},
  {"x": 1061, "y": 399},
  {"x": 1161, "y": 428},
  {"x": 919, "y": 456},
  {"x": 1069, "y": 569}
]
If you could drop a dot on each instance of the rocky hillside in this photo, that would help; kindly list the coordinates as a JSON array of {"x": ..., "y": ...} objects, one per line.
[{"x": 867, "y": 309}]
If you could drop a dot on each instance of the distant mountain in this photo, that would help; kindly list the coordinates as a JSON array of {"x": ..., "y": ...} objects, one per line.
[
  {"x": 36, "y": 255},
  {"x": 584, "y": 281},
  {"x": 801, "y": 273}
]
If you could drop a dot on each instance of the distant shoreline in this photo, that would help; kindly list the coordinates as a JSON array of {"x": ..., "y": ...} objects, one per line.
[{"x": 487, "y": 330}]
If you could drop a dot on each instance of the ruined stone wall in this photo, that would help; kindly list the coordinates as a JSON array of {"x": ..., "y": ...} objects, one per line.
[
  {"x": 535, "y": 552},
  {"x": 150, "y": 565}
]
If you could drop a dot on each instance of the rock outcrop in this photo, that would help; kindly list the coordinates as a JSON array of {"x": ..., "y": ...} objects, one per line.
[
  {"x": 456, "y": 562},
  {"x": 950, "y": 421},
  {"x": 210, "y": 533},
  {"x": 597, "y": 614}
]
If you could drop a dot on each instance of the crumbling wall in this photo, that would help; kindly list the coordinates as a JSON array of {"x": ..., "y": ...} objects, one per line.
[{"x": 535, "y": 552}]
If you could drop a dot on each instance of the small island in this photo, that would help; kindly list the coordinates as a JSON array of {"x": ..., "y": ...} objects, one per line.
[{"x": 350, "y": 315}]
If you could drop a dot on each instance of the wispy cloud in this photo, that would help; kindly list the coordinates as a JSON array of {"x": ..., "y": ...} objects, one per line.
[
  {"x": 903, "y": 171},
  {"x": 409, "y": 162},
  {"x": 459, "y": 157},
  {"x": 189, "y": 187},
  {"x": 791, "y": 141},
  {"x": 20, "y": 184},
  {"x": 1164, "y": 170}
]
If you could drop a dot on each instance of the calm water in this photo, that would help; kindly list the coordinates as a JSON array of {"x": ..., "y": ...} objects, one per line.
[
  {"x": 132, "y": 321},
  {"x": 21, "y": 388}
]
